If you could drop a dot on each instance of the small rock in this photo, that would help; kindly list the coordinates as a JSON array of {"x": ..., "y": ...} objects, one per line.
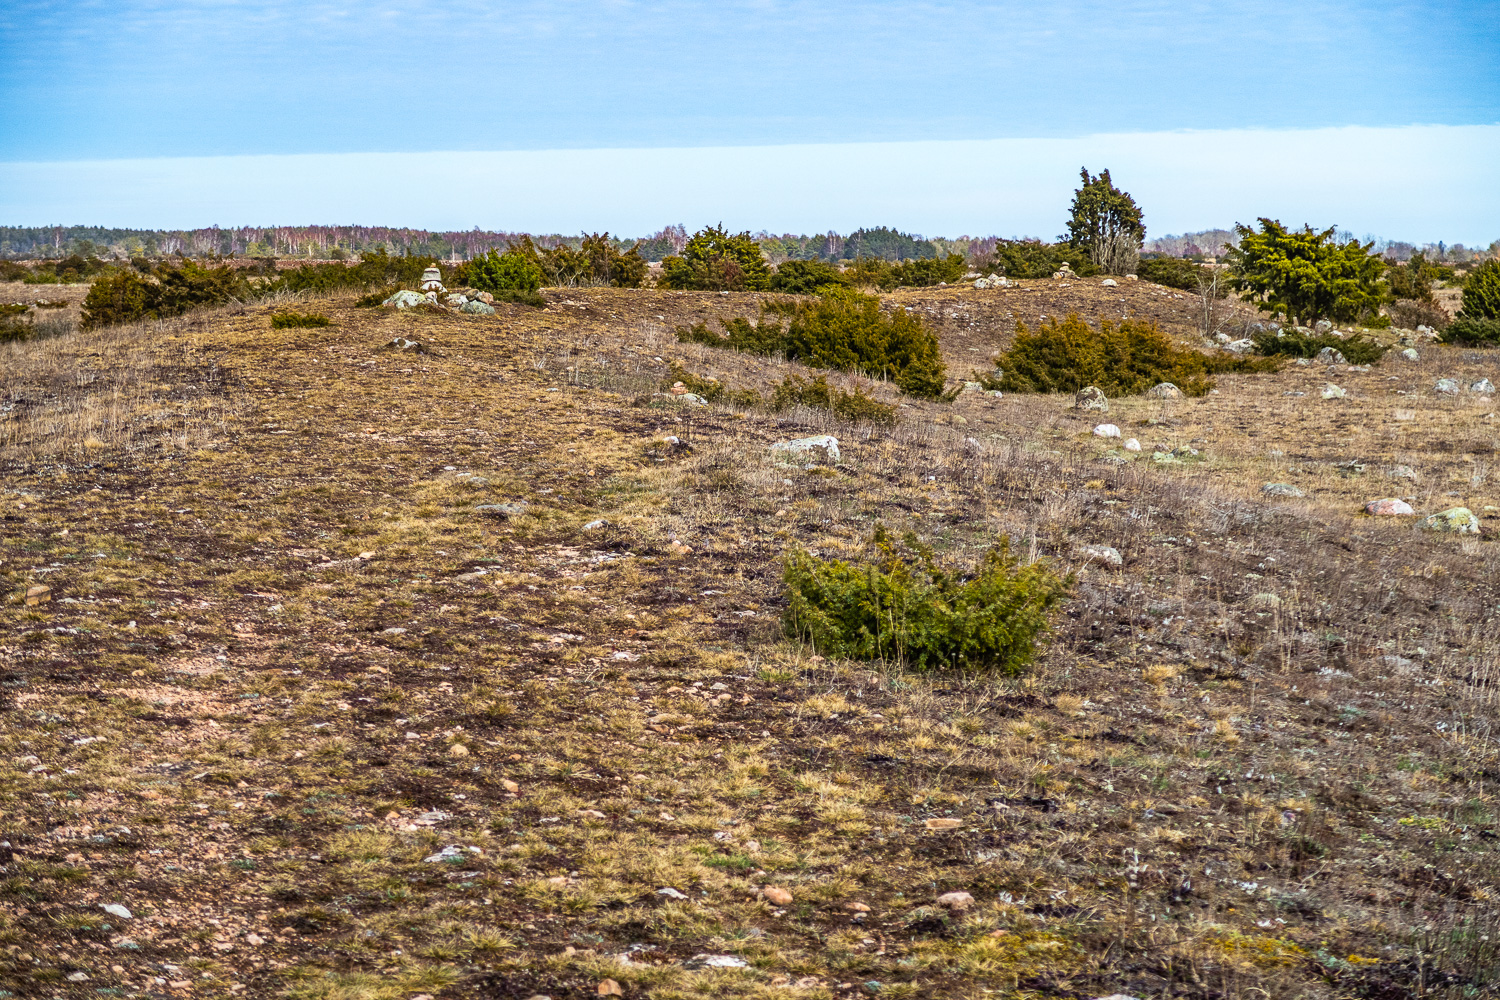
[
  {"x": 777, "y": 895},
  {"x": 1401, "y": 472},
  {"x": 1107, "y": 431},
  {"x": 595, "y": 525},
  {"x": 821, "y": 448},
  {"x": 1240, "y": 346},
  {"x": 39, "y": 594},
  {"x": 1457, "y": 520},
  {"x": 1106, "y": 554},
  {"x": 682, "y": 399},
  {"x": 1281, "y": 490},
  {"x": 510, "y": 786},
  {"x": 116, "y": 910},
  {"x": 1091, "y": 398},
  {"x": 456, "y": 300},
  {"x": 1483, "y": 385},
  {"x": 1109, "y": 282},
  {"x": 610, "y": 988},
  {"x": 1331, "y": 391},
  {"x": 943, "y": 824},
  {"x": 1389, "y": 507},
  {"x": 1410, "y": 354},
  {"x": 1331, "y": 356},
  {"x": 955, "y": 901},
  {"x": 1222, "y": 338},
  {"x": 1165, "y": 390},
  {"x": 856, "y": 908},
  {"x": 671, "y": 893},
  {"x": 486, "y": 298},
  {"x": 451, "y": 851},
  {"x": 78, "y": 977},
  {"x": 1131, "y": 444},
  {"x": 1446, "y": 386},
  {"x": 1322, "y": 326},
  {"x": 477, "y": 308}
]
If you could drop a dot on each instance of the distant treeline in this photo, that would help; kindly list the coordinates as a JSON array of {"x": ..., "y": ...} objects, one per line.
[{"x": 349, "y": 242}]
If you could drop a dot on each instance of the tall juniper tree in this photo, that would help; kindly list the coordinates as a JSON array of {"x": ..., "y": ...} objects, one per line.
[{"x": 1107, "y": 223}]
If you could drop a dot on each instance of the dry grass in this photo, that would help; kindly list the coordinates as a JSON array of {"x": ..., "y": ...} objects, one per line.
[{"x": 1257, "y": 760}]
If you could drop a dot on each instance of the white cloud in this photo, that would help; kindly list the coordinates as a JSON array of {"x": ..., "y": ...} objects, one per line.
[{"x": 1418, "y": 183}]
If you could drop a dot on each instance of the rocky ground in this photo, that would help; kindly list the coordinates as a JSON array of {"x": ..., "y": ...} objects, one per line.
[{"x": 356, "y": 672}]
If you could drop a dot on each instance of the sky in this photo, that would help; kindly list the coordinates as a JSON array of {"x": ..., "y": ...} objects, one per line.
[{"x": 942, "y": 118}]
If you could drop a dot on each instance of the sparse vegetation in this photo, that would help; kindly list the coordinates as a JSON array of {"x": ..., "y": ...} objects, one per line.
[
  {"x": 900, "y": 605},
  {"x": 1467, "y": 332},
  {"x": 291, "y": 319},
  {"x": 1122, "y": 359},
  {"x": 1174, "y": 272},
  {"x": 129, "y": 297},
  {"x": 805, "y": 277},
  {"x": 854, "y": 406}
]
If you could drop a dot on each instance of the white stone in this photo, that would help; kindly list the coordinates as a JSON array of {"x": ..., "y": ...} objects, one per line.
[
  {"x": 1107, "y": 431},
  {"x": 116, "y": 910},
  {"x": 1131, "y": 444},
  {"x": 808, "y": 449},
  {"x": 1109, "y": 282}
]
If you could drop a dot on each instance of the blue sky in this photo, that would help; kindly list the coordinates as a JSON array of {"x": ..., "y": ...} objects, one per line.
[{"x": 850, "y": 85}]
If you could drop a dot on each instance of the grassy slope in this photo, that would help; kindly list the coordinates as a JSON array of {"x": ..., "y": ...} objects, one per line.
[{"x": 1199, "y": 792}]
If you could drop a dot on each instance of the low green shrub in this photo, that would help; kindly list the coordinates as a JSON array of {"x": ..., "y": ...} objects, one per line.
[
  {"x": 374, "y": 299},
  {"x": 1412, "y": 313},
  {"x": 899, "y": 605},
  {"x": 817, "y": 393},
  {"x": 378, "y": 269},
  {"x": 1482, "y": 292},
  {"x": 841, "y": 329},
  {"x": 129, "y": 297},
  {"x": 1357, "y": 350},
  {"x": 285, "y": 320},
  {"x": 1035, "y": 259},
  {"x": 11, "y": 271},
  {"x": 805, "y": 277},
  {"x": 1174, "y": 272},
  {"x": 927, "y": 272},
  {"x": 1467, "y": 332},
  {"x": 717, "y": 260},
  {"x": 1123, "y": 360},
  {"x": 515, "y": 270}
]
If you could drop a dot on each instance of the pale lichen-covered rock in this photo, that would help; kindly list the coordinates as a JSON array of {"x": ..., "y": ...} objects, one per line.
[
  {"x": 1331, "y": 356},
  {"x": 820, "y": 448},
  {"x": 405, "y": 299},
  {"x": 476, "y": 308},
  {"x": 1281, "y": 490},
  {"x": 1331, "y": 391},
  {"x": 1091, "y": 398},
  {"x": 1165, "y": 390},
  {"x": 1107, "y": 431},
  {"x": 1446, "y": 386},
  {"x": 1455, "y": 520}
]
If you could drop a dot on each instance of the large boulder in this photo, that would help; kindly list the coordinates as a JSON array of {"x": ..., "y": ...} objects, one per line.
[
  {"x": 405, "y": 300},
  {"x": 1457, "y": 520},
  {"x": 476, "y": 308},
  {"x": 1106, "y": 431},
  {"x": 1240, "y": 346},
  {"x": 1091, "y": 398},
  {"x": 1331, "y": 391},
  {"x": 1165, "y": 390},
  {"x": 1331, "y": 356},
  {"x": 1484, "y": 385},
  {"x": 822, "y": 448}
]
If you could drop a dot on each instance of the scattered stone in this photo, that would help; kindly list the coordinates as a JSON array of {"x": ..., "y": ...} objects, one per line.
[
  {"x": 38, "y": 594},
  {"x": 993, "y": 281},
  {"x": 1331, "y": 356},
  {"x": 1410, "y": 354},
  {"x": 610, "y": 988},
  {"x": 1131, "y": 444},
  {"x": 1322, "y": 326},
  {"x": 1401, "y": 472},
  {"x": 1331, "y": 391},
  {"x": 1222, "y": 338},
  {"x": 477, "y": 308},
  {"x": 777, "y": 895},
  {"x": 1483, "y": 385},
  {"x": 812, "y": 450},
  {"x": 1456, "y": 520},
  {"x": 1350, "y": 468},
  {"x": 451, "y": 851},
  {"x": 596, "y": 525},
  {"x": 1389, "y": 507},
  {"x": 1109, "y": 282},
  {"x": 671, "y": 893},
  {"x": 1107, "y": 431},
  {"x": 456, "y": 300},
  {"x": 1281, "y": 490},
  {"x": 704, "y": 961},
  {"x": 501, "y": 510},
  {"x": 1107, "y": 554},
  {"x": 1240, "y": 346},
  {"x": 1091, "y": 398},
  {"x": 1446, "y": 386},
  {"x": 1166, "y": 390},
  {"x": 856, "y": 908},
  {"x": 485, "y": 297},
  {"x": 402, "y": 344},
  {"x": 955, "y": 901},
  {"x": 683, "y": 398},
  {"x": 405, "y": 299},
  {"x": 78, "y": 977},
  {"x": 943, "y": 824}
]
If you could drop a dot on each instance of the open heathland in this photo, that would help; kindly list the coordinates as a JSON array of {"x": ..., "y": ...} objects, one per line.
[{"x": 336, "y": 669}]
